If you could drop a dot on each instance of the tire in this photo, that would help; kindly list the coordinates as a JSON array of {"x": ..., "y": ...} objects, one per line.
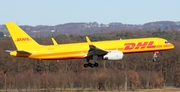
[
  {"x": 96, "y": 64},
  {"x": 85, "y": 65}
]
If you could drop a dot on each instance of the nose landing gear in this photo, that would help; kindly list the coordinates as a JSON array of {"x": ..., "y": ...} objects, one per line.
[{"x": 155, "y": 56}]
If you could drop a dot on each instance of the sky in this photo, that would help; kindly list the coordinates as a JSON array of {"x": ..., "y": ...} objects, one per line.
[{"x": 54, "y": 12}]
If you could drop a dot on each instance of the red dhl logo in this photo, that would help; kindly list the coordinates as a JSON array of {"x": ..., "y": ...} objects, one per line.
[
  {"x": 23, "y": 39},
  {"x": 139, "y": 45}
]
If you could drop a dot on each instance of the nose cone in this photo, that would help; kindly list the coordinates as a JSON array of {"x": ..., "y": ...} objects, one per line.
[
  {"x": 168, "y": 46},
  {"x": 14, "y": 53},
  {"x": 171, "y": 46}
]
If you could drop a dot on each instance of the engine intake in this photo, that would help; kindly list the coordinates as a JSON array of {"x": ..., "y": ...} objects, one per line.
[{"x": 113, "y": 55}]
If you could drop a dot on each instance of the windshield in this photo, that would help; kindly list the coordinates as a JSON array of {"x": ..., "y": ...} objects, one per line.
[{"x": 166, "y": 42}]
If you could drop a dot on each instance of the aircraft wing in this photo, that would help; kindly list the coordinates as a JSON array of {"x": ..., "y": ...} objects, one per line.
[{"x": 93, "y": 50}]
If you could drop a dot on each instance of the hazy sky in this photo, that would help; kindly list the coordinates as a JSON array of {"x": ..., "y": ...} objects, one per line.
[{"x": 53, "y": 12}]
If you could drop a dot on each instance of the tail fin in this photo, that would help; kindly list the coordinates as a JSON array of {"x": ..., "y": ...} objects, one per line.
[{"x": 20, "y": 38}]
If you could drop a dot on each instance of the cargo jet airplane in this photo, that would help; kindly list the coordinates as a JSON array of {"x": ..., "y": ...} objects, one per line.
[{"x": 105, "y": 50}]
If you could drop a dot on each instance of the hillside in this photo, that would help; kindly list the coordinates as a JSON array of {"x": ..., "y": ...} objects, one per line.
[
  {"x": 140, "y": 71},
  {"x": 93, "y": 28}
]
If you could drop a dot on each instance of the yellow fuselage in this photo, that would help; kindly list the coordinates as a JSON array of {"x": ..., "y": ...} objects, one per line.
[{"x": 80, "y": 50}]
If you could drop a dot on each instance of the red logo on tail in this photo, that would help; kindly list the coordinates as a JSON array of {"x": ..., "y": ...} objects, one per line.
[{"x": 23, "y": 39}]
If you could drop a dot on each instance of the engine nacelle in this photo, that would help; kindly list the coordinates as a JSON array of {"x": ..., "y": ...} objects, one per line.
[{"x": 113, "y": 55}]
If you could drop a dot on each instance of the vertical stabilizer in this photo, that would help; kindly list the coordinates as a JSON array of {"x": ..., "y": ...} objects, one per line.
[{"x": 20, "y": 38}]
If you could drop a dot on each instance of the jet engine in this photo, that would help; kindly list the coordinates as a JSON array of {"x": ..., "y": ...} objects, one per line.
[{"x": 113, "y": 55}]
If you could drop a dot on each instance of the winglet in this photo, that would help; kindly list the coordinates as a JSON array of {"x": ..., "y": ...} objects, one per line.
[
  {"x": 88, "y": 41},
  {"x": 54, "y": 41}
]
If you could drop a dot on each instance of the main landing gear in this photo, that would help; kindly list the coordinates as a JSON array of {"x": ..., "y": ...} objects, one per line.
[
  {"x": 155, "y": 55},
  {"x": 88, "y": 64},
  {"x": 91, "y": 65}
]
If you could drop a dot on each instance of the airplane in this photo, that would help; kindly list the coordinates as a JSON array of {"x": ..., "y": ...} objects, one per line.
[{"x": 27, "y": 47}]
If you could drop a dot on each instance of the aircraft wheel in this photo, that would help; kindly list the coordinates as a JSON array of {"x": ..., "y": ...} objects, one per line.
[
  {"x": 92, "y": 66},
  {"x": 85, "y": 65},
  {"x": 96, "y": 64},
  {"x": 154, "y": 60},
  {"x": 89, "y": 64}
]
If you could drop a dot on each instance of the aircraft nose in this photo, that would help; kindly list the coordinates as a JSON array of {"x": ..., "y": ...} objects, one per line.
[
  {"x": 172, "y": 46},
  {"x": 169, "y": 46}
]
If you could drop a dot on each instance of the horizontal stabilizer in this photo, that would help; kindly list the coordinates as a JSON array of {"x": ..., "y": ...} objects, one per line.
[
  {"x": 18, "y": 51},
  {"x": 23, "y": 52},
  {"x": 8, "y": 51}
]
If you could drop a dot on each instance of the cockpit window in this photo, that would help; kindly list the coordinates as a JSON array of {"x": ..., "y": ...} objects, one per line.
[{"x": 166, "y": 42}]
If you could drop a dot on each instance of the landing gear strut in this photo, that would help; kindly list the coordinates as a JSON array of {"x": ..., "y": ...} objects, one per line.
[
  {"x": 155, "y": 55},
  {"x": 88, "y": 64}
]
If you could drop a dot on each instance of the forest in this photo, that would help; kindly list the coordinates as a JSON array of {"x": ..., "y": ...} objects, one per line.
[{"x": 134, "y": 71}]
